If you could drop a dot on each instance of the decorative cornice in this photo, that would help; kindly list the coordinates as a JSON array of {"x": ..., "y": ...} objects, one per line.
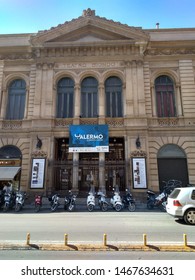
[
  {"x": 39, "y": 154},
  {"x": 170, "y": 51},
  {"x": 138, "y": 153}
]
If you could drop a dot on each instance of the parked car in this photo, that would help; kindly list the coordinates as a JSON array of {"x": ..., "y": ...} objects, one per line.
[{"x": 181, "y": 204}]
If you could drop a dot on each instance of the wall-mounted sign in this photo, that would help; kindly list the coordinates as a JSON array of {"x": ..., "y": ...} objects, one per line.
[
  {"x": 139, "y": 173},
  {"x": 38, "y": 173},
  {"x": 88, "y": 138}
]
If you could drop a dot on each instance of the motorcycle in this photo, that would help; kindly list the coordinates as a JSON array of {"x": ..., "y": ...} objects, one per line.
[
  {"x": 160, "y": 200},
  {"x": 54, "y": 202},
  {"x": 128, "y": 201},
  {"x": 116, "y": 201},
  {"x": 1, "y": 198},
  {"x": 70, "y": 201},
  {"x": 102, "y": 201},
  {"x": 38, "y": 202},
  {"x": 9, "y": 200},
  {"x": 91, "y": 200},
  {"x": 20, "y": 198}
]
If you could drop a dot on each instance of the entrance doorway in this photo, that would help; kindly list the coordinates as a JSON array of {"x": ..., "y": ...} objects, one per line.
[
  {"x": 10, "y": 166},
  {"x": 62, "y": 165},
  {"x": 172, "y": 164},
  {"x": 115, "y": 164},
  {"x": 88, "y": 171}
]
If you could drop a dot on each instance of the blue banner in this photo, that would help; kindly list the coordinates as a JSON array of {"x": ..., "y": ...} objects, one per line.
[{"x": 88, "y": 138}]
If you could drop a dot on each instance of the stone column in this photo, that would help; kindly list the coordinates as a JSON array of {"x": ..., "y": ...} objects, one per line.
[
  {"x": 101, "y": 96},
  {"x": 75, "y": 172},
  {"x": 102, "y": 172},
  {"x": 129, "y": 90},
  {"x": 77, "y": 108},
  {"x": 38, "y": 92},
  {"x": 178, "y": 100}
]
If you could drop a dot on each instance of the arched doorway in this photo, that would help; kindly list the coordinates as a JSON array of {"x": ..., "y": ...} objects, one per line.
[
  {"x": 10, "y": 166},
  {"x": 172, "y": 164}
]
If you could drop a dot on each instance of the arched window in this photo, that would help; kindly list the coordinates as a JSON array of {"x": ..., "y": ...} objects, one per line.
[
  {"x": 113, "y": 90},
  {"x": 89, "y": 98},
  {"x": 165, "y": 97},
  {"x": 16, "y": 100},
  {"x": 65, "y": 96}
]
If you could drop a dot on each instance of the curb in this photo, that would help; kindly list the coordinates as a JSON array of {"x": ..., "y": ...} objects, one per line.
[{"x": 91, "y": 247}]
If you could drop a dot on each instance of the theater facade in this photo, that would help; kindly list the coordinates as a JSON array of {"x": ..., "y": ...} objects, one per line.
[{"x": 89, "y": 74}]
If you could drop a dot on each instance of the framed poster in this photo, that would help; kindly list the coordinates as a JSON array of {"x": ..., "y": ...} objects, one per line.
[
  {"x": 139, "y": 173},
  {"x": 38, "y": 173}
]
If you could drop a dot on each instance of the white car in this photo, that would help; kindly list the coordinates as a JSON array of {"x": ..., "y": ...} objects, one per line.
[{"x": 181, "y": 204}]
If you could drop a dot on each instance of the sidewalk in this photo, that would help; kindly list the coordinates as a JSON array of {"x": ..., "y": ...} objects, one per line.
[{"x": 81, "y": 205}]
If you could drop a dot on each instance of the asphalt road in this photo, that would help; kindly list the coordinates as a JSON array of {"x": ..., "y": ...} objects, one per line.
[{"x": 86, "y": 227}]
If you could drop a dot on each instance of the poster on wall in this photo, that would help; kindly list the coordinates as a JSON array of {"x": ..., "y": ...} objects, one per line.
[
  {"x": 38, "y": 173},
  {"x": 88, "y": 138},
  {"x": 139, "y": 173}
]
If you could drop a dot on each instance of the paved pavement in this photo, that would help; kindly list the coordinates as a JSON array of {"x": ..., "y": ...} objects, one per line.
[{"x": 81, "y": 205}]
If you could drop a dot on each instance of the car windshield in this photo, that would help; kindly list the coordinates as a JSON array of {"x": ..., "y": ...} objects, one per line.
[{"x": 174, "y": 193}]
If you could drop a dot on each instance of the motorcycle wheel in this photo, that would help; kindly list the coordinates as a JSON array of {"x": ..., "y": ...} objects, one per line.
[
  {"x": 71, "y": 207},
  {"x": 5, "y": 207},
  {"x": 65, "y": 206},
  {"x": 90, "y": 207},
  {"x": 54, "y": 207},
  {"x": 104, "y": 207},
  {"x": 131, "y": 207},
  {"x": 118, "y": 207},
  {"x": 150, "y": 205},
  {"x": 162, "y": 207},
  {"x": 37, "y": 208},
  {"x": 18, "y": 207}
]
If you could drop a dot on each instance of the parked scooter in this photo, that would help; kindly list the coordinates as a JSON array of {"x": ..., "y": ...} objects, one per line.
[
  {"x": 116, "y": 200},
  {"x": 128, "y": 201},
  {"x": 20, "y": 198},
  {"x": 38, "y": 202},
  {"x": 70, "y": 201},
  {"x": 9, "y": 200},
  {"x": 160, "y": 200},
  {"x": 156, "y": 200},
  {"x": 103, "y": 204},
  {"x": 91, "y": 199},
  {"x": 54, "y": 201}
]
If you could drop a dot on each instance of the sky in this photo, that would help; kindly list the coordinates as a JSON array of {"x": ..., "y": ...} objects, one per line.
[{"x": 31, "y": 16}]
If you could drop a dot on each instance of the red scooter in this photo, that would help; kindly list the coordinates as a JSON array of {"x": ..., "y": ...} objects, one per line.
[{"x": 38, "y": 202}]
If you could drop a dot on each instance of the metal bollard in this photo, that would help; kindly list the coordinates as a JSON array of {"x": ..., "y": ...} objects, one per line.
[
  {"x": 28, "y": 239},
  {"x": 65, "y": 239},
  {"x": 105, "y": 239},
  {"x": 185, "y": 240},
  {"x": 145, "y": 239}
]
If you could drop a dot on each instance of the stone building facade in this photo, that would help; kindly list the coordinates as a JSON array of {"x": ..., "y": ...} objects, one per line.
[{"x": 94, "y": 71}]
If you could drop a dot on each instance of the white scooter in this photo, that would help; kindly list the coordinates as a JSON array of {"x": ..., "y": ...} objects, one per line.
[
  {"x": 116, "y": 200},
  {"x": 91, "y": 199},
  {"x": 20, "y": 198}
]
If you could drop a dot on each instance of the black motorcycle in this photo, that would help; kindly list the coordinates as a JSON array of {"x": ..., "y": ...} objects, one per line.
[
  {"x": 1, "y": 198},
  {"x": 70, "y": 201},
  {"x": 128, "y": 201},
  {"x": 160, "y": 200}
]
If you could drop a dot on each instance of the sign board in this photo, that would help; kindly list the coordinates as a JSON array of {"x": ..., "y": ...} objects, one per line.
[
  {"x": 139, "y": 173},
  {"x": 37, "y": 173},
  {"x": 88, "y": 138}
]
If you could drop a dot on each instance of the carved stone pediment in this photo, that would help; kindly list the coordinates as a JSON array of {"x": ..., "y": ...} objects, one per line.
[{"x": 89, "y": 28}]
